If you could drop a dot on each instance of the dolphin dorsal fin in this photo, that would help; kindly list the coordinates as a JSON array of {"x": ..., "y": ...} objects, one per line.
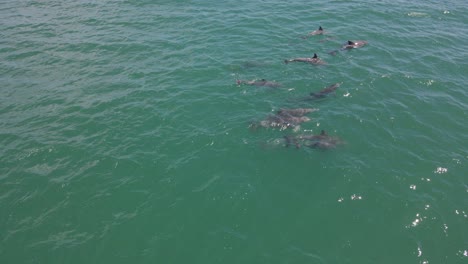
[
  {"x": 323, "y": 133},
  {"x": 350, "y": 42},
  {"x": 320, "y": 28},
  {"x": 315, "y": 56}
]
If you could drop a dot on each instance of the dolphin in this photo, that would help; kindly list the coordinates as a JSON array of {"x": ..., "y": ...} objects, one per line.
[
  {"x": 324, "y": 142},
  {"x": 326, "y": 91},
  {"x": 314, "y": 60},
  {"x": 318, "y": 95},
  {"x": 285, "y": 118},
  {"x": 302, "y": 138},
  {"x": 261, "y": 82},
  {"x": 321, "y": 141},
  {"x": 319, "y": 31},
  {"x": 283, "y": 122},
  {"x": 354, "y": 44}
]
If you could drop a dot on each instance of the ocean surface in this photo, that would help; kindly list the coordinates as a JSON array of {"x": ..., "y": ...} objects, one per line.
[{"x": 124, "y": 137}]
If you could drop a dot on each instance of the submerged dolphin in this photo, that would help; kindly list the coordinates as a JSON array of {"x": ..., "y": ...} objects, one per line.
[
  {"x": 326, "y": 91},
  {"x": 314, "y": 60},
  {"x": 322, "y": 141},
  {"x": 354, "y": 44},
  {"x": 261, "y": 82},
  {"x": 318, "y": 95},
  {"x": 283, "y": 122}
]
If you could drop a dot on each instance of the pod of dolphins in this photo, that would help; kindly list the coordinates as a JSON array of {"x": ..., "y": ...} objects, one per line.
[{"x": 286, "y": 118}]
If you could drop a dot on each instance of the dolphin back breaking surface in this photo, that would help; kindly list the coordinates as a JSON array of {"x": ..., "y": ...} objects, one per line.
[
  {"x": 354, "y": 44},
  {"x": 285, "y": 118},
  {"x": 313, "y": 60}
]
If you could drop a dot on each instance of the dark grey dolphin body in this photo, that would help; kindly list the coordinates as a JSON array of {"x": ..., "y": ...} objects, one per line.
[
  {"x": 285, "y": 118},
  {"x": 280, "y": 122},
  {"x": 350, "y": 44},
  {"x": 322, "y": 141},
  {"x": 354, "y": 44},
  {"x": 283, "y": 121},
  {"x": 326, "y": 91},
  {"x": 253, "y": 64},
  {"x": 319, "y": 31},
  {"x": 314, "y": 60},
  {"x": 261, "y": 82},
  {"x": 318, "y": 95}
]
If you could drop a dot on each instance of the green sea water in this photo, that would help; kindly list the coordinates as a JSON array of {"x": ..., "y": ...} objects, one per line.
[{"x": 124, "y": 137}]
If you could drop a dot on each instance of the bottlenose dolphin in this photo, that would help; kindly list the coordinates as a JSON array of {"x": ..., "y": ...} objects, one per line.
[
  {"x": 319, "y": 31},
  {"x": 261, "y": 82},
  {"x": 354, "y": 44},
  {"x": 285, "y": 118},
  {"x": 326, "y": 91},
  {"x": 283, "y": 122},
  {"x": 317, "y": 95},
  {"x": 314, "y": 60},
  {"x": 322, "y": 141},
  {"x": 296, "y": 140}
]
